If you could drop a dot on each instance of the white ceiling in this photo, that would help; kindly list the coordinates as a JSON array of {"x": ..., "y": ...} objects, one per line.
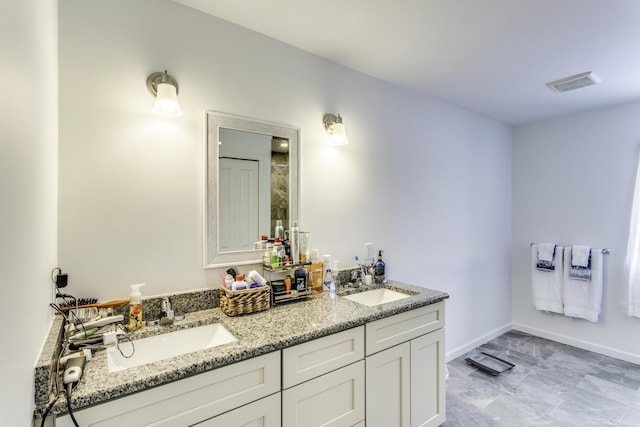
[{"x": 488, "y": 56}]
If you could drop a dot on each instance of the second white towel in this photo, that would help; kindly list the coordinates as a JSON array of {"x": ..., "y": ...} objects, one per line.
[
  {"x": 547, "y": 285},
  {"x": 583, "y": 298}
]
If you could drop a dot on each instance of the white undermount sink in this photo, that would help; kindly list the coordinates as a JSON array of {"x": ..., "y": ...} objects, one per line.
[
  {"x": 376, "y": 297},
  {"x": 164, "y": 346}
]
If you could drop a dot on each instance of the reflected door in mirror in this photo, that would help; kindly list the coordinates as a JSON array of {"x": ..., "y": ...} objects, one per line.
[{"x": 238, "y": 186}]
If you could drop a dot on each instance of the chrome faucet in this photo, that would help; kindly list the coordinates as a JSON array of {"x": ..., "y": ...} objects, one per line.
[
  {"x": 168, "y": 316},
  {"x": 356, "y": 278}
]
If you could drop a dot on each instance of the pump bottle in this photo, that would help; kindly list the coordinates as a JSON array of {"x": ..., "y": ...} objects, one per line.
[
  {"x": 135, "y": 307},
  {"x": 379, "y": 270}
]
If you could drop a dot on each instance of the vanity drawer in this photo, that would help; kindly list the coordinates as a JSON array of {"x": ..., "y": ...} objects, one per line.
[
  {"x": 266, "y": 412},
  {"x": 387, "y": 332},
  {"x": 314, "y": 358},
  {"x": 187, "y": 401}
]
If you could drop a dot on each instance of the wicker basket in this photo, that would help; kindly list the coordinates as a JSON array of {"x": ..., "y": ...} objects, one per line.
[{"x": 235, "y": 303}]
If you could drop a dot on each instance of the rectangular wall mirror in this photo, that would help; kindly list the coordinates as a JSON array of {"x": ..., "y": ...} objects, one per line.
[{"x": 251, "y": 172}]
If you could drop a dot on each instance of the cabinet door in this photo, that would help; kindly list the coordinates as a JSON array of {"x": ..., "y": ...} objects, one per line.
[
  {"x": 263, "y": 413},
  {"x": 427, "y": 380},
  {"x": 335, "y": 399},
  {"x": 388, "y": 387}
]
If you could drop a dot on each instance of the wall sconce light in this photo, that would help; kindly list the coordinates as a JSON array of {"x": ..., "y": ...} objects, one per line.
[
  {"x": 334, "y": 126},
  {"x": 165, "y": 89}
]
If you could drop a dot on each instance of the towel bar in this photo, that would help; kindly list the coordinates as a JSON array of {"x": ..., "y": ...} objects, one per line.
[{"x": 605, "y": 251}]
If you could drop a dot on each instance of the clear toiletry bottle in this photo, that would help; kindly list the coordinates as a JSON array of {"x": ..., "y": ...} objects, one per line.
[
  {"x": 305, "y": 254},
  {"x": 315, "y": 273},
  {"x": 135, "y": 307},
  {"x": 329, "y": 283},
  {"x": 379, "y": 270},
  {"x": 368, "y": 255}
]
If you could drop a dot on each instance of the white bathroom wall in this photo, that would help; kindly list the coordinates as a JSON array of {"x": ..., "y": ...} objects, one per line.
[
  {"x": 573, "y": 180},
  {"x": 28, "y": 189},
  {"x": 426, "y": 181}
]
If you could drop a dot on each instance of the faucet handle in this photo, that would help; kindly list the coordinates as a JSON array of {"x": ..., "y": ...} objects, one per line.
[{"x": 167, "y": 316}]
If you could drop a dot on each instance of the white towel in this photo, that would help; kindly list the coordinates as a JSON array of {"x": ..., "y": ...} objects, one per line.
[
  {"x": 580, "y": 256},
  {"x": 581, "y": 298},
  {"x": 546, "y": 251},
  {"x": 546, "y": 286}
]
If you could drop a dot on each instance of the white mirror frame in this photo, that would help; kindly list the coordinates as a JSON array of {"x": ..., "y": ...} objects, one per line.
[{"x": 214, "y": 120}]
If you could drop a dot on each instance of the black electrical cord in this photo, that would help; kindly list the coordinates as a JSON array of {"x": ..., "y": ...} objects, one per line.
[
  {"x": 73, "y": 418},
  {"x": 54, "y": 372},
  {"x": 70, "y": 300},
  {"x": 55, "y": 273},
  {"x": 72, "y": 313},
  {"x": 57, "y": 308},
  {"x": 128, "y": 338},
  {"x": 46, "y": 413}
]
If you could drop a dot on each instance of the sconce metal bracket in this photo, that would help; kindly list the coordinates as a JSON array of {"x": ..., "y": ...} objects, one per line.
[
  {"x": 160, "y": 77},
  {"x": 329, "y": 120}
]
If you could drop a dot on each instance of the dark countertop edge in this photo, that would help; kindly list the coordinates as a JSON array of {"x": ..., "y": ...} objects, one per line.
[{"x": 134, "y": 386}]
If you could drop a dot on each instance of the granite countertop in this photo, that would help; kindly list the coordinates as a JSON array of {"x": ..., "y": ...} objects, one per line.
[{"x": 257, "y": 333}]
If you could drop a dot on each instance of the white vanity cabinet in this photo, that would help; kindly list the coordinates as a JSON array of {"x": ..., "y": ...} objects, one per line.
[
  {"x": 388, "y": 372},
  {"x": 323, "y": 381},
  {"x": 196, "y": 400},
  {"x": 405, "y": 366}
]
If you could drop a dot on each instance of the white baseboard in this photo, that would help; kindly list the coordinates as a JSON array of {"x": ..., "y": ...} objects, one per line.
[
  {"x": 457, "y": 352},
  {"x": 585, "y": 345}
]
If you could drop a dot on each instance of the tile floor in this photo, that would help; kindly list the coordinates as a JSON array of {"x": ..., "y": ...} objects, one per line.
[{"x": 552, "y": 384}]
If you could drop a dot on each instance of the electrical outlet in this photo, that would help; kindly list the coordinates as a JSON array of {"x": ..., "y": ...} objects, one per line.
[{"x": 73, "y": 370}]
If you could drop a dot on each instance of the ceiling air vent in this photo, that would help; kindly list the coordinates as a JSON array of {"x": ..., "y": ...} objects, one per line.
[{"x": 574, "y": 82}]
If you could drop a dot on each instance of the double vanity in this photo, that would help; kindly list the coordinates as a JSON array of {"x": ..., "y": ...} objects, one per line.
[{"x": 373, "y": 355}]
